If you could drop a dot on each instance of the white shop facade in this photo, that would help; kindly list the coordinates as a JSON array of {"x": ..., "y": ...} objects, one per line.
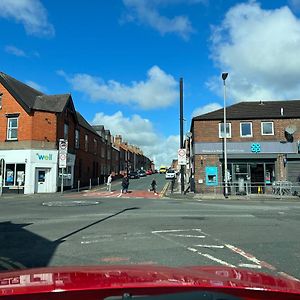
[{"x": 33, "y": 171}]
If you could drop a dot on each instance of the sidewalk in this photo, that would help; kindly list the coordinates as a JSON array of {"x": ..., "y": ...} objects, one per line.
[{"x": 257, "y": 197}]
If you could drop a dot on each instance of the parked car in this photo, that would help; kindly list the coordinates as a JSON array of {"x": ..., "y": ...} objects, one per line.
[
  {"x": 133, "y": 175},
  {"x": 149, "y": 172},
  {"x": 170, "y": 174},
  {"x": 142, "y": 173}
]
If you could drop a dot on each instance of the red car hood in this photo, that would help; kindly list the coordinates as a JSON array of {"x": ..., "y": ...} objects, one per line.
[{"x": 67, "y": 281}]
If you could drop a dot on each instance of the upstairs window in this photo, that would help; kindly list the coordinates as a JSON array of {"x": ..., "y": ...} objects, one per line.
[
  {"x": 66, "y": 131},
  {"x": 246, "y": 129},
  {"x": 1, "y": 94},
  {"x": 95, "y": 146},
  {"x": 86, "y": 142},
  {"x": 12, "y": 128},
  {"x": 221, "y": 130},
  {"x": 76, "y": 138},
  {"x": 267, "y": 128}
]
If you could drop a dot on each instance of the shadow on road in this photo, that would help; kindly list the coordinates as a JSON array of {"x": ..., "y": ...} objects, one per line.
[{"x": 21, "y": 248}]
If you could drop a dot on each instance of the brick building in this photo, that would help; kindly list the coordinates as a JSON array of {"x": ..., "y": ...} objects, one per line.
[
  {"x": 32, "y": 124},
  {"x": 262, "y": 146}
]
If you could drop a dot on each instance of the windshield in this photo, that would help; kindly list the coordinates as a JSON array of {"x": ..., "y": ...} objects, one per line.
[{"x": 150, "y": 133}]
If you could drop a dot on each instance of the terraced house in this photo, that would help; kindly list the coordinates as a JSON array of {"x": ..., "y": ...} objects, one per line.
[
  {"x": 31, "y": 125},
  {"x": 262, "y": 145}
]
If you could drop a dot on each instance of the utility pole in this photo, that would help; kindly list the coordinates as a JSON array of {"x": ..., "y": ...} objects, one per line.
[{"x": 181, "y": 135}]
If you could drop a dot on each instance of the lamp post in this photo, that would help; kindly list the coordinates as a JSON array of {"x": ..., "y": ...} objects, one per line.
[{"x": 224, "y": 76}]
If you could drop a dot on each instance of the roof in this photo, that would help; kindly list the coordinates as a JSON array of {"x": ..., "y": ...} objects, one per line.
[
  {"x": 30, "y": 98},
  {"x": 55, "y": 103},
  {"x": 256, "y": 110},
  {"x": 98, "y": 127},
  {"x": 84, "y": 123}
]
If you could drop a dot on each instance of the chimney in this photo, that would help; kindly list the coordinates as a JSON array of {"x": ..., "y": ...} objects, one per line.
[
  {"x": 281, "y": 111},
  {"x": 118, "y": 139}
]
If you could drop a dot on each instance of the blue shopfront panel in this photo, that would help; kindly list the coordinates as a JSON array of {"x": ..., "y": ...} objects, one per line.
[{"x": 211, "y": 176}]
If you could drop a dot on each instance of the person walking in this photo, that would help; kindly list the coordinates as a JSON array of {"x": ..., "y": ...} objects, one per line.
[
  {"x": 125, "y": 184},
  {"x": 109, "y": 180},
  {"x": 153, "y": 186}
]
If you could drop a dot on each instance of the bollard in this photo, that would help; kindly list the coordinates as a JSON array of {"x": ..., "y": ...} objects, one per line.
[
  {"x": 78, "y": 186},
  {"x": 98, "y": 181},
  {"x": 90, "y": 183}
]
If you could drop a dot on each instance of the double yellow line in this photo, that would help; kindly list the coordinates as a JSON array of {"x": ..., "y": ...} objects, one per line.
[{"x": 164, "y": 190}]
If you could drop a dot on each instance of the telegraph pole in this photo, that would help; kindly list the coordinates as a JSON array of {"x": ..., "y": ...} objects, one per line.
[{"x": 181, "y": 135}]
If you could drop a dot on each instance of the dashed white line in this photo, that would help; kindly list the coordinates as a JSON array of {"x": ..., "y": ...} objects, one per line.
[
  {"x": 188, "y": 235},
  {"x": 210, "y": 246},
  {"x": 250, "y": 266},
  {"x": 175, "y": 230}
]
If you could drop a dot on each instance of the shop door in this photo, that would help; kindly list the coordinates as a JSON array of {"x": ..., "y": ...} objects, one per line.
[
  {"x": 257, "y": 178},
  {"x": 41, "y": 180}
]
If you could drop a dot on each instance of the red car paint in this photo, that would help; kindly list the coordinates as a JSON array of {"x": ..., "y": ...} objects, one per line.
[{"x": 98, "y": 282}]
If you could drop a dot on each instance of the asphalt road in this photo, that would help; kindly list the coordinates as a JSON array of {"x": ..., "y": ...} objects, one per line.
[{"x": 51, "y": 230}]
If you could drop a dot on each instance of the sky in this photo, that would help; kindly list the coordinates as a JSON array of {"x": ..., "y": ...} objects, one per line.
[{"x": 122, "y": 59}]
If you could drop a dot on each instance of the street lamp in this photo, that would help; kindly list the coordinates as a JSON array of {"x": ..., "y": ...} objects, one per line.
[{"x": 224, "y": 76}]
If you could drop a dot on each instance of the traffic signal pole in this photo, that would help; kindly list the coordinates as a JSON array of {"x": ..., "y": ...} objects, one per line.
[{"x": 181, "y": 135}]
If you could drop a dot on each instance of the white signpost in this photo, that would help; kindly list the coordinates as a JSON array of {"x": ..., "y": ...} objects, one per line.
[
  {"x": 62, "y": 159},
  {"x": 182, "y": 157}
]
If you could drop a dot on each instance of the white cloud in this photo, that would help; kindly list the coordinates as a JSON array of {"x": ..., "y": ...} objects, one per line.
[
  {"x": 259, "y": 49},
  {"x": 14, "y": 51},
  {"x": 146, "y": 12},
  {"x": 159, "y": 90},
  {"x": 36, "y": 86},
  {"x": 31, "y": 13},
  {"x": 206, "y": 109},
  {"x": 140, "y": 132}
]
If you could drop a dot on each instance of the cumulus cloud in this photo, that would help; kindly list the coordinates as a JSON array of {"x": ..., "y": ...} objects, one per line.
[
  {"x": 259, "y": 49},
  {"x": 205, "y": 109},
  {"x": 158, "y": 90},
  {"x": 14, "y": 51},
  {"x": 140, "y": 132},
  {"x": 31, "y": 13},
  {"x": 147, "y": 12}
]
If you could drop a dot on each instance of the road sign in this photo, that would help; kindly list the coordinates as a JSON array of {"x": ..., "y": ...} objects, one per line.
[
  {"x": 181, "y": 156},
  {"x": 63, "y": 152}
]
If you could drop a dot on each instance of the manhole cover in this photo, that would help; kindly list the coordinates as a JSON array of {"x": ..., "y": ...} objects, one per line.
[{"x": 70, "y": 203}]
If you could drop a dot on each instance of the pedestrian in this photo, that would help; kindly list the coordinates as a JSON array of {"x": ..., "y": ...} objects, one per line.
[
  {"x": 125, "y": 184},
  {"x": 109, "y": 180},
  {"x": 153, "y": 186}
]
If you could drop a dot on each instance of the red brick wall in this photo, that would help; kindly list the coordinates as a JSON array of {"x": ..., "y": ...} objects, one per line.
[{"x": 208, "y": 131}]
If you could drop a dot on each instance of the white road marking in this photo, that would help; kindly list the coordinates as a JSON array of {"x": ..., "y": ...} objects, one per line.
[
  {"x": 210, "y": 246},
  {"x": 244, "y": 254},
  {"x": 188, "y": 235},
  {"x": 175, "y": 230},
  {"x": 119, "y": 195},
  {"x": 251, "y": 266}
]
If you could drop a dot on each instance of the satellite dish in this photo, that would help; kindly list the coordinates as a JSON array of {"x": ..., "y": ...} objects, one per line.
[{"x": 291, "y": 129}]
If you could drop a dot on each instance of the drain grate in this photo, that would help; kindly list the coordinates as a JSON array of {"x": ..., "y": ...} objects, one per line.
[{"x": 70, "y": 203}]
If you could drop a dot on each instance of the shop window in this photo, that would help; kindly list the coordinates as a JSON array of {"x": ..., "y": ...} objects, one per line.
[
  {"x": 15, "y": 175},
  {"x": 12, "y": 128},
  {"x": 246, "y": 129},
  {"x": 221, "y": 130},
  {"x": 267, "y": 128},
  {"x": 77, "y": 138}
]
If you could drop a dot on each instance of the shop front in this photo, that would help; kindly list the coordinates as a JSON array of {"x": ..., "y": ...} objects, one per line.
[
  {"x": 29, "y": 171},
  {"x": 252, "y": 167}
]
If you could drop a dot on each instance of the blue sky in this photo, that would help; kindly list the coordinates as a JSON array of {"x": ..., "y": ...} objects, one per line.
[{"x": 122, "y": 59}]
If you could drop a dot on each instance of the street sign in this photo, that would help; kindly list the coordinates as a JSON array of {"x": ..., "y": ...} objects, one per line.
[
  {"x": 63, "y": 152},
  {"x": 182, "y": 157}
]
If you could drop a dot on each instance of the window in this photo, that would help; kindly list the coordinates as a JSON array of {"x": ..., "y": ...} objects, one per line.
[
  {"x": 221, "y": 130},
  {"x": 267, "y": 128},
  {"x": 14, "y": 175},
  {"x": 77, "y": 139},
  {"x": 246, "y": 129},
  {"x": 12, "y": 128},
  {"x": 1, "y": 94},
  {"x": 66, "y": 131},
  {"x": 95, "y": 146},
  {"x": 86, "y": 142}
]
